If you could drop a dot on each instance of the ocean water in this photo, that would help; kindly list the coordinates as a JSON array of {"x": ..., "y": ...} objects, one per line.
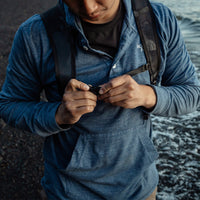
[{"x": 178, "y": 139}]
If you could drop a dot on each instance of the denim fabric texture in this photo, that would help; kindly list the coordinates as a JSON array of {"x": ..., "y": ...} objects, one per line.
[{"x": 109, "y": 153}]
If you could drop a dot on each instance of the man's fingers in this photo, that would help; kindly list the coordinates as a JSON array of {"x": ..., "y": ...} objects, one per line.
[
  {"x": 77, "y": 112},
  {"x": 75, "y": 85},
  {"x": 116, "y": 82},
  {"x": 77, "y": 100},
  {"x": 78, "y": 95},
  {"x": 115, "y": 99},
  {"x": 113, "y": 92},
  {"x": 79, "y": 103},
  {"x": 71, "y": 116}
]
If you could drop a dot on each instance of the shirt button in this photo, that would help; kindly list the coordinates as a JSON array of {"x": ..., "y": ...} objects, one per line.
[
  {"x": 85, "y": 48},
  {"x": 114, "y": 66}
]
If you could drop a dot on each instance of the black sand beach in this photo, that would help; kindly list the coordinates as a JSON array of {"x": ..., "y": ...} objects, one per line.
[{"x": 21, "y": 162}]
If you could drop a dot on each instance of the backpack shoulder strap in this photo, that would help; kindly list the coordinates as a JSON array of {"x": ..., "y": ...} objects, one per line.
[
  {"x": 62, "y": 38},
  {"x": 61, "y": 41},
  {"x": 146, "y": 24}
]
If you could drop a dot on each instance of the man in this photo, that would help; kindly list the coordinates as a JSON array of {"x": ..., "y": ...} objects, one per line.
[{"x": 98, "y": 146}]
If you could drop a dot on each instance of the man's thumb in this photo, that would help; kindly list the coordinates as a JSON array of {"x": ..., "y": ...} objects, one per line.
[{"x": 75, "y": 85}]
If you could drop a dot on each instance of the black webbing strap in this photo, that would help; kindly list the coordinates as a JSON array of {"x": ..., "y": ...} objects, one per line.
[
  {"x": 62, "y": 43},
  {"x": 140, "y": 69},
  {"x": 145, "y": 20}
]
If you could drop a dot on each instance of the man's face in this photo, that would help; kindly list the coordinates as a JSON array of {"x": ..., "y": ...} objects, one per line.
[{"x": 94, "y": 11}]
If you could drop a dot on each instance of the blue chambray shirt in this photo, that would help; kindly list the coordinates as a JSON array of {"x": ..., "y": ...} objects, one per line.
[{"x": 108, "y": 154}]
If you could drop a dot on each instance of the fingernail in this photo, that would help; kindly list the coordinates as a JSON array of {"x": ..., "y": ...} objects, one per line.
[
  {"x": 101, "y": 91},
  {"x": 86, "y": 87}
]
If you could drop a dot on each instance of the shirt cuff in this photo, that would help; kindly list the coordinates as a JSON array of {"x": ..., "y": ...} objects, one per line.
[
  {"x": 161, "y": 100},
  {"x": 149, "y": 111},
  {"x": 52, "y": 124}
]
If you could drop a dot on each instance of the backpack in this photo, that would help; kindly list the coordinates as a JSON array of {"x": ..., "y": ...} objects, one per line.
[{"x": 63, "y": 44}]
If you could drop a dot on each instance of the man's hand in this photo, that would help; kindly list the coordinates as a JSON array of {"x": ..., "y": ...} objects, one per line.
[
  {"x": 77, "y": 101},
  {"x": 124, "y": 91}
]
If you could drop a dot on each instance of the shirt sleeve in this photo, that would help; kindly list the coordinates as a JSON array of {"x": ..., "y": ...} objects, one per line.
[
  {"x": 20, "y": 104},
  {"x": 179, "y": 91}
]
